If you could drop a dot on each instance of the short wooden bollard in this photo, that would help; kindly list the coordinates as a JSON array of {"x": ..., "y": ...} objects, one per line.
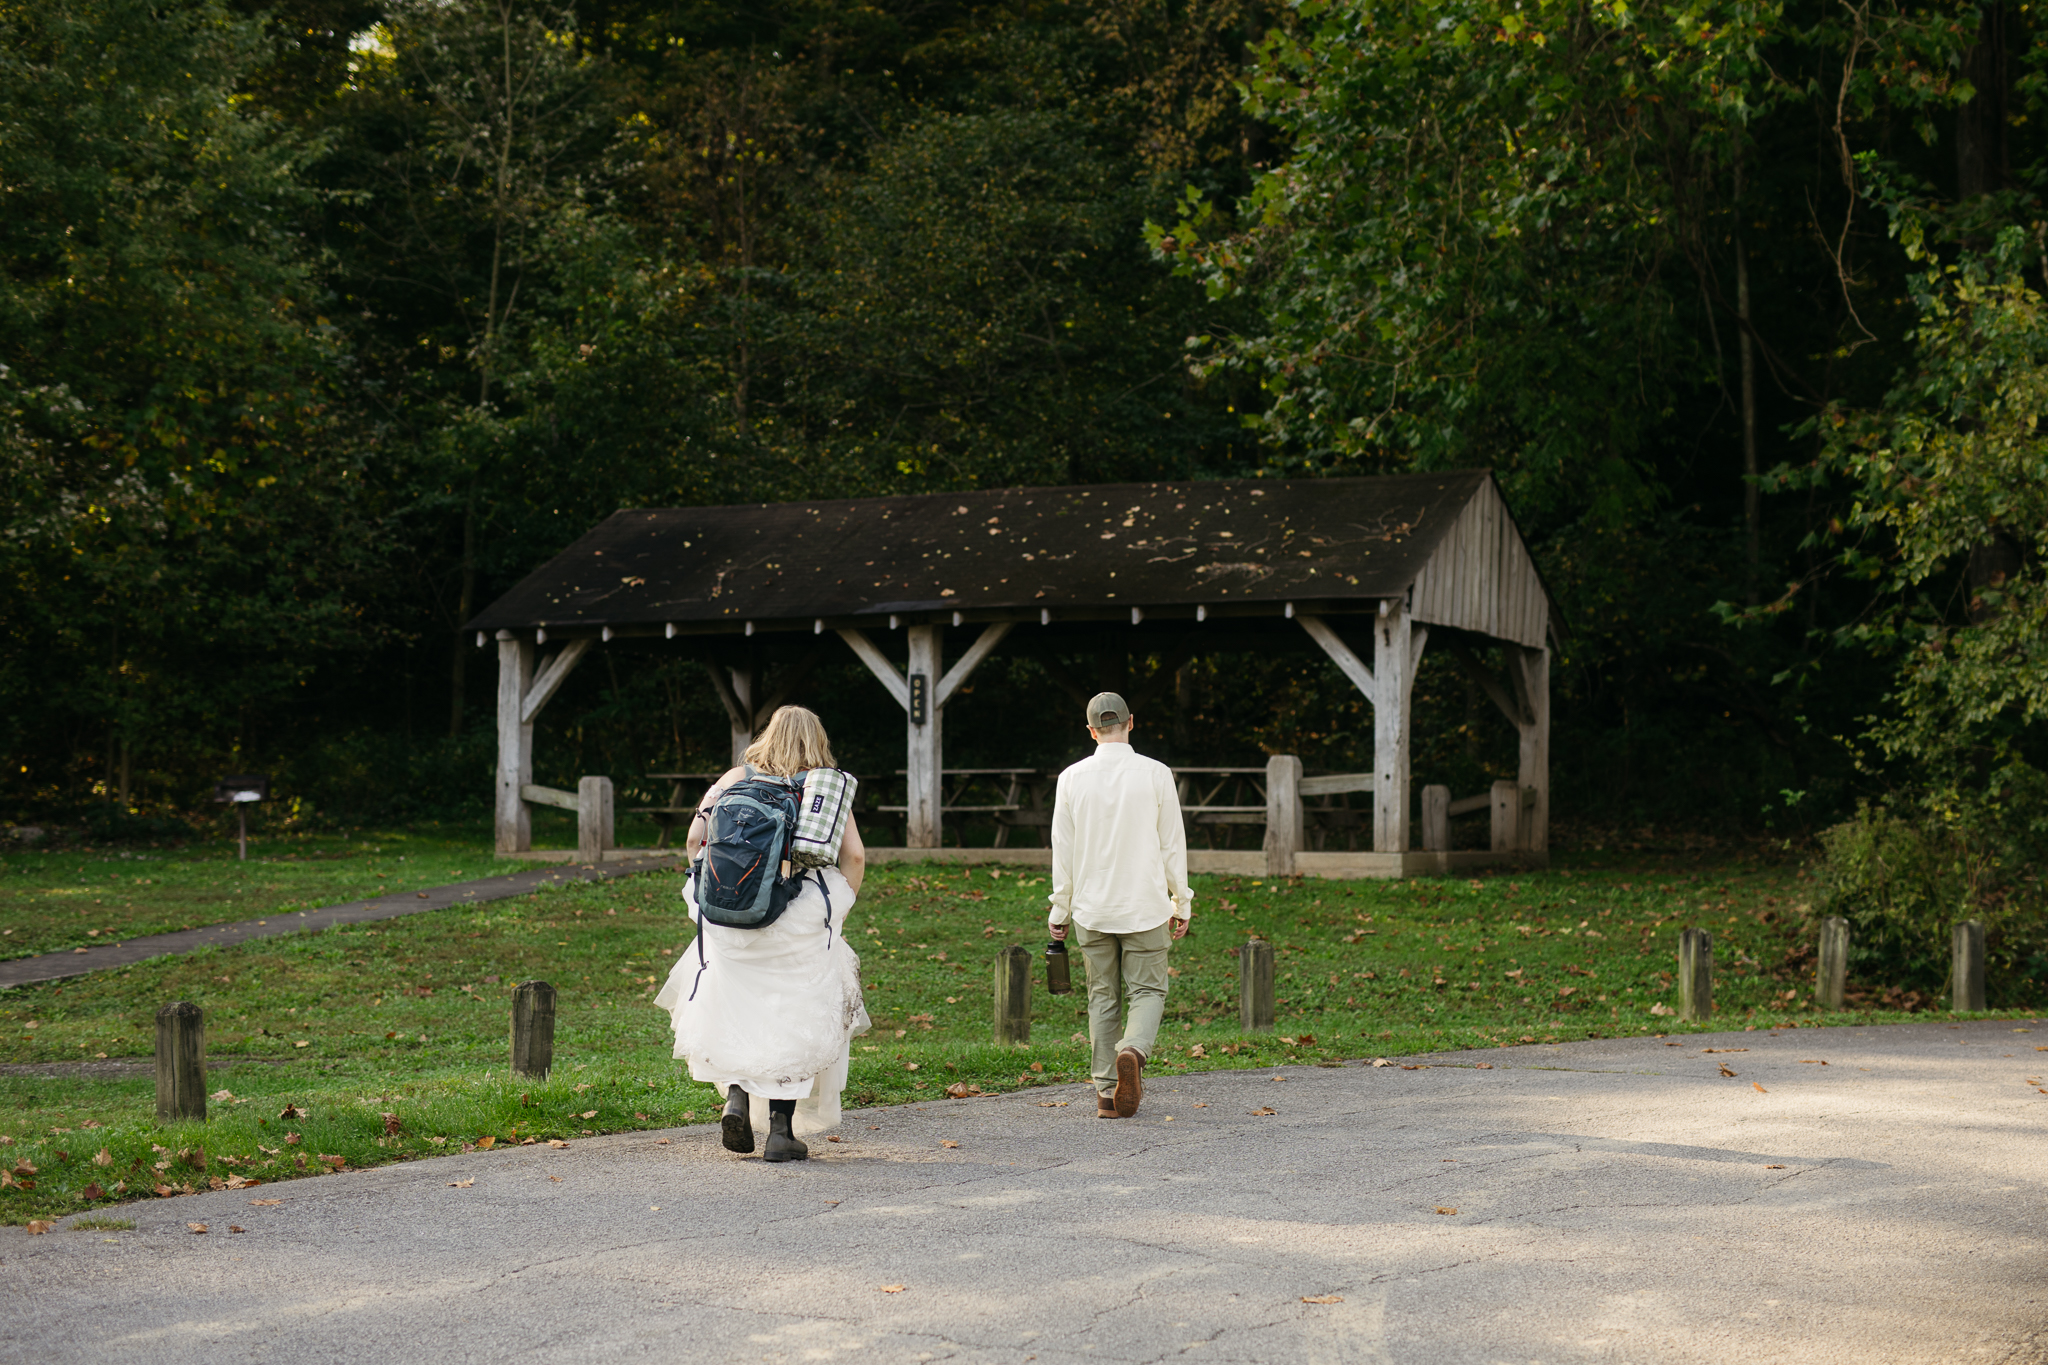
[
  {"x": 533, "y": 1029},
  {"x": 1255, "y": 986},
  {"x": 1436, "y": 819},
  {"x": 1832, "y": 985},
  {"x": 1695, "y": 976},
  {"x": 1013, "y": 994},
  {"x": 180, "y": 1062},
  {"x": 1506, "y": 805},
  {"x": 593, "y": 818},
  {"x": 1966, "y": 975}
]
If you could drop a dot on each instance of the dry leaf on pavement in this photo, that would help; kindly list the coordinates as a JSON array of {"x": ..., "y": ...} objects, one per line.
[
  {"x": 1759, "y": 1089},
  {"x": 196, "y": 1227},
  {"x": 1445, "y": 1209},
  {"x": 461, "y": 1184},
  {"x": 261, "y": 1203},
  {"x": 892, "y": 1289},
  {"x": 37, "y": 1227},
  {"x": 947, "y": 1142},
  {"x": 1779, "y": 1167},
  {"x": 1265, "y": 1109},
  {"x": 1322, "y": 1298},
  {"x": 1725, "y": 1071},
  {"x": 556, "y": 1142}
]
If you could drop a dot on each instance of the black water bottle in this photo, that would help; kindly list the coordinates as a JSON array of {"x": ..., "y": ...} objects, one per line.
[{"x": 1057, "y": 979}]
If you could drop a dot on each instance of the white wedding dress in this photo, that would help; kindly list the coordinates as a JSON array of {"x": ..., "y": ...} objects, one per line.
[{"x": 775, "y": 1008}]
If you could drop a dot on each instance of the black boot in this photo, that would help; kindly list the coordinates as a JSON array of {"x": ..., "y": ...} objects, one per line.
[
  {"x": 737, "y": 1125},
  {"x": 783, "y": 1144}
]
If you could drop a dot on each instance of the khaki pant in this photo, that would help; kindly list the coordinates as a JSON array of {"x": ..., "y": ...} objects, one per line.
[{"x": 1138, "y": 962}]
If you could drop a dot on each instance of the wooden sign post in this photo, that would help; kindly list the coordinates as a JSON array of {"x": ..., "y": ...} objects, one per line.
[
  {"x": 1695, "y": 976},
  {"x": 533, "y": 1029},
  {"x": 1255, "y": 986},
  {"x": 1013, "y": 994},
  {"x": 180, "y": 1062}
]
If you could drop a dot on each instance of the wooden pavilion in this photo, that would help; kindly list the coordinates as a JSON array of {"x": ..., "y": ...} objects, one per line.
[{"x": 1370, "y": 570}]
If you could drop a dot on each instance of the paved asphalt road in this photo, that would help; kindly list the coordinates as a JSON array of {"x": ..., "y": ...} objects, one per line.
[{"x": 1614, "y": 1201}]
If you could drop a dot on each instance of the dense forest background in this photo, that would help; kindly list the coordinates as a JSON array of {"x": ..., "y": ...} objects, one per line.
[{"x": 322, "y": 321}]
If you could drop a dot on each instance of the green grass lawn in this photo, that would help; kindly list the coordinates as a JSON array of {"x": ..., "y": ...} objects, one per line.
[
  {"x": 63, "y": 899},
  {"x": 385, "y": 1042}
]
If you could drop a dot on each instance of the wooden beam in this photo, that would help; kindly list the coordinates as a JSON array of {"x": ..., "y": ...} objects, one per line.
[
  {"x": 971, "y": 660},
  {"x": 723, "y": 687},
  {"x": 1336, "y": 784},
  {"x": 1340, "y": 654},
  {"x": 1488, "y": 683},
  {"x": 549, "y": 796},
  {"x": 551, "y": 677},
  {"x": 879, "y": 665},
  {"x": 925, "y": 757},
  {"x": 514, "y": 831}
]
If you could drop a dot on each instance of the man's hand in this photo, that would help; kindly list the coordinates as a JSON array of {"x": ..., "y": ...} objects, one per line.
[
  {"x": 1059, "y": 932},
  {"x": 1180, "y": 929}
]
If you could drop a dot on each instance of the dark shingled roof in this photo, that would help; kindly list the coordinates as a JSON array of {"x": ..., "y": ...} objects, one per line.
[{"x": 1011, "y": 551}]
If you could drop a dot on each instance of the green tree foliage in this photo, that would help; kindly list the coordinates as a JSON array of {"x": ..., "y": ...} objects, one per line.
[{"x": 184, "y": 488}]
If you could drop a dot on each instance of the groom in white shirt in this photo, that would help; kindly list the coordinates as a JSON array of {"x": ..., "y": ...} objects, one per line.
[{"x": 1120, "y": 875}]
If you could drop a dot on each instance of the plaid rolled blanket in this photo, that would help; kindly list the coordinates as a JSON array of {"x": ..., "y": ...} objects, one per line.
[{"x": 822, "y": 810}]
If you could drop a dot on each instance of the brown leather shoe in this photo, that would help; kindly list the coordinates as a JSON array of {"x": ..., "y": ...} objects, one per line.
[
  {"x": 1130, "y": 1081},
  {"x": 1105, "y": 1107}
]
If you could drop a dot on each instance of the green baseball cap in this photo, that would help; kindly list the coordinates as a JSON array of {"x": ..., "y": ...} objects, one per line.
[{"x": 1106, "y": 711}]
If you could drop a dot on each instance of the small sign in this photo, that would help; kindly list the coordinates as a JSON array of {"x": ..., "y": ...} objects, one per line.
[
  {"x": 246, "y": 787},
  {"x": 920, "y": 706}
]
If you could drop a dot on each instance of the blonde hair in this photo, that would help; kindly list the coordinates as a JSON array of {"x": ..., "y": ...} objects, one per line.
[{"x": 792, "y": 742}]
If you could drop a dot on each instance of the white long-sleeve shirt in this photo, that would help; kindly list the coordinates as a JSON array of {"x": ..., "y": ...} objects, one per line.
[{"x": 1119, "y": 850}]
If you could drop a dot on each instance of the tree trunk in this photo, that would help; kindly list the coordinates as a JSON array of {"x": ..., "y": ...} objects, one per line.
[
  {"x": 1746, "y": 350},
  {"x": 1981, "y": 124}
]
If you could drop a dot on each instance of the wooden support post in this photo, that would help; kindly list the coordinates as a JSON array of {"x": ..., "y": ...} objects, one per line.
[
  {"x": 1255, "y": 986},
  {"x": 1966, "y": 975},
  {"x": 1013, "y": 995},
  {"x": 925, "y": 759},
  {"x": 1436, "y": 819},
  {"x": 1529, "y": 671},
  {"x": 515, "y": 742},
  {"x": 1283, "y": 814},
  {"x": 533, "y": 1029},
  {"x": 1833, "y": 981},
  {"x": 1397, "y": 650},
  {"x": 180, "y": 1062},
  {"x": 593, "y": 818},
  {"x": 742, "y": 713},
  {"x": 1507, "y": 816},
  {"x": 1695, "y": 976}
]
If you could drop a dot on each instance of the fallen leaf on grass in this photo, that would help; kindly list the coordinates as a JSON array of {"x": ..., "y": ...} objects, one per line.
[
  {"x": 1759, "y": 1089},
  {"x": 196, "y": 1227},
  {"x": 222, "y": 1095},
  {"x": 1198, "y": 1051},
  {"x": 1263, "y": 1109},
  {"x": 263, "y": 1203},
  {"x": 484, "y": 1144},
  {"x": 165, "y": 1191},
  {"x": 392, "y": 1127},
  {"x": 93, "y": 1191},
  {"x": 1322, "y": 1298},
  {"x": 587, "y": 1114},
  {"x": 960, "y": 1090},
  {"x": 1661, "y": 1010},
  {"x": 1442, "y": 1209},
  {"x": 37, "y": 1227},
  {"x": 461, "y": 1184},
  {"x": 337, "y": 1162},
  {"x": 105, "y": 1158},
  {"x": 291, "y": 1139},
  {"x": 947, "y": 1142}
]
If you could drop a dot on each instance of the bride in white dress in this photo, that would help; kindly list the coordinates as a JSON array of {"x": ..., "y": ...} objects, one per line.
[{"x": 769, "y": 1014}]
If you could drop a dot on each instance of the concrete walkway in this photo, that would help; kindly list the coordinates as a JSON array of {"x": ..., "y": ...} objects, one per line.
[
  {"x": 1605, "y": 1201},
  {"x": 56, "y": 966}
]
